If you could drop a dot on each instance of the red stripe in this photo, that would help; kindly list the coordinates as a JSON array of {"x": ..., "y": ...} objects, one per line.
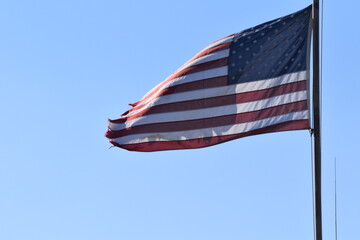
[
  {"x": 202, "y": 67},
  {"x": 222, "y": 100},
  {"x": 175, "y": 74},
  {"x": 209, "y": 51},
  {"x": 210, "y": 122},
  {"x": 197, "y": 85},
  {"x": 206, "y": 142},
  {"x": 119, "y": 120}
]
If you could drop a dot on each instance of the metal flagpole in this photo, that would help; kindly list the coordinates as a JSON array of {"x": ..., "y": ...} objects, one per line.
[{"x": 316, "y": 119}]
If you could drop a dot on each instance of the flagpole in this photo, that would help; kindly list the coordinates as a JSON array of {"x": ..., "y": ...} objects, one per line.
[{"x": 316, "y": 119}]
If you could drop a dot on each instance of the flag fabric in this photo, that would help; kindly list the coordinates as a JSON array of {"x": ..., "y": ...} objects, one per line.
[{"x": 248, "y": 83}]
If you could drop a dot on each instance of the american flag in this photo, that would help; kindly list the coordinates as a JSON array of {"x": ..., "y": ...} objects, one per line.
[{"x": 248, "y": 83}]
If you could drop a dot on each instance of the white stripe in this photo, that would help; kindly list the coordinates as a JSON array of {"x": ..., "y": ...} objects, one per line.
[
  {"x": 203, "y": 75},
  {"x": 224, "y": 91},
  {"x": 211, "y": 132},
  {"x": 215, "y": 72},
  {"x": 207, "y": 58},
  {"x": 212, "y": 112}
]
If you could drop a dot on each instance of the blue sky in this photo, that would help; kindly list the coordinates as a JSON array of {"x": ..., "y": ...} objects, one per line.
[{"x": 68, "y": 66}]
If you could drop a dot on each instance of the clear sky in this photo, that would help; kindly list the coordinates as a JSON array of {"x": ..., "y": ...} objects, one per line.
[{"x": 67, "y": 66}]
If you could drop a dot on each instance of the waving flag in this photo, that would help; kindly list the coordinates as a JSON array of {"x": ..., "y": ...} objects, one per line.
[{"x": 248, "y": 83}]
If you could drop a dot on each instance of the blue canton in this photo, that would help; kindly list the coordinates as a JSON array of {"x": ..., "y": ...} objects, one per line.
[{"x": 270, "y": 49}]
